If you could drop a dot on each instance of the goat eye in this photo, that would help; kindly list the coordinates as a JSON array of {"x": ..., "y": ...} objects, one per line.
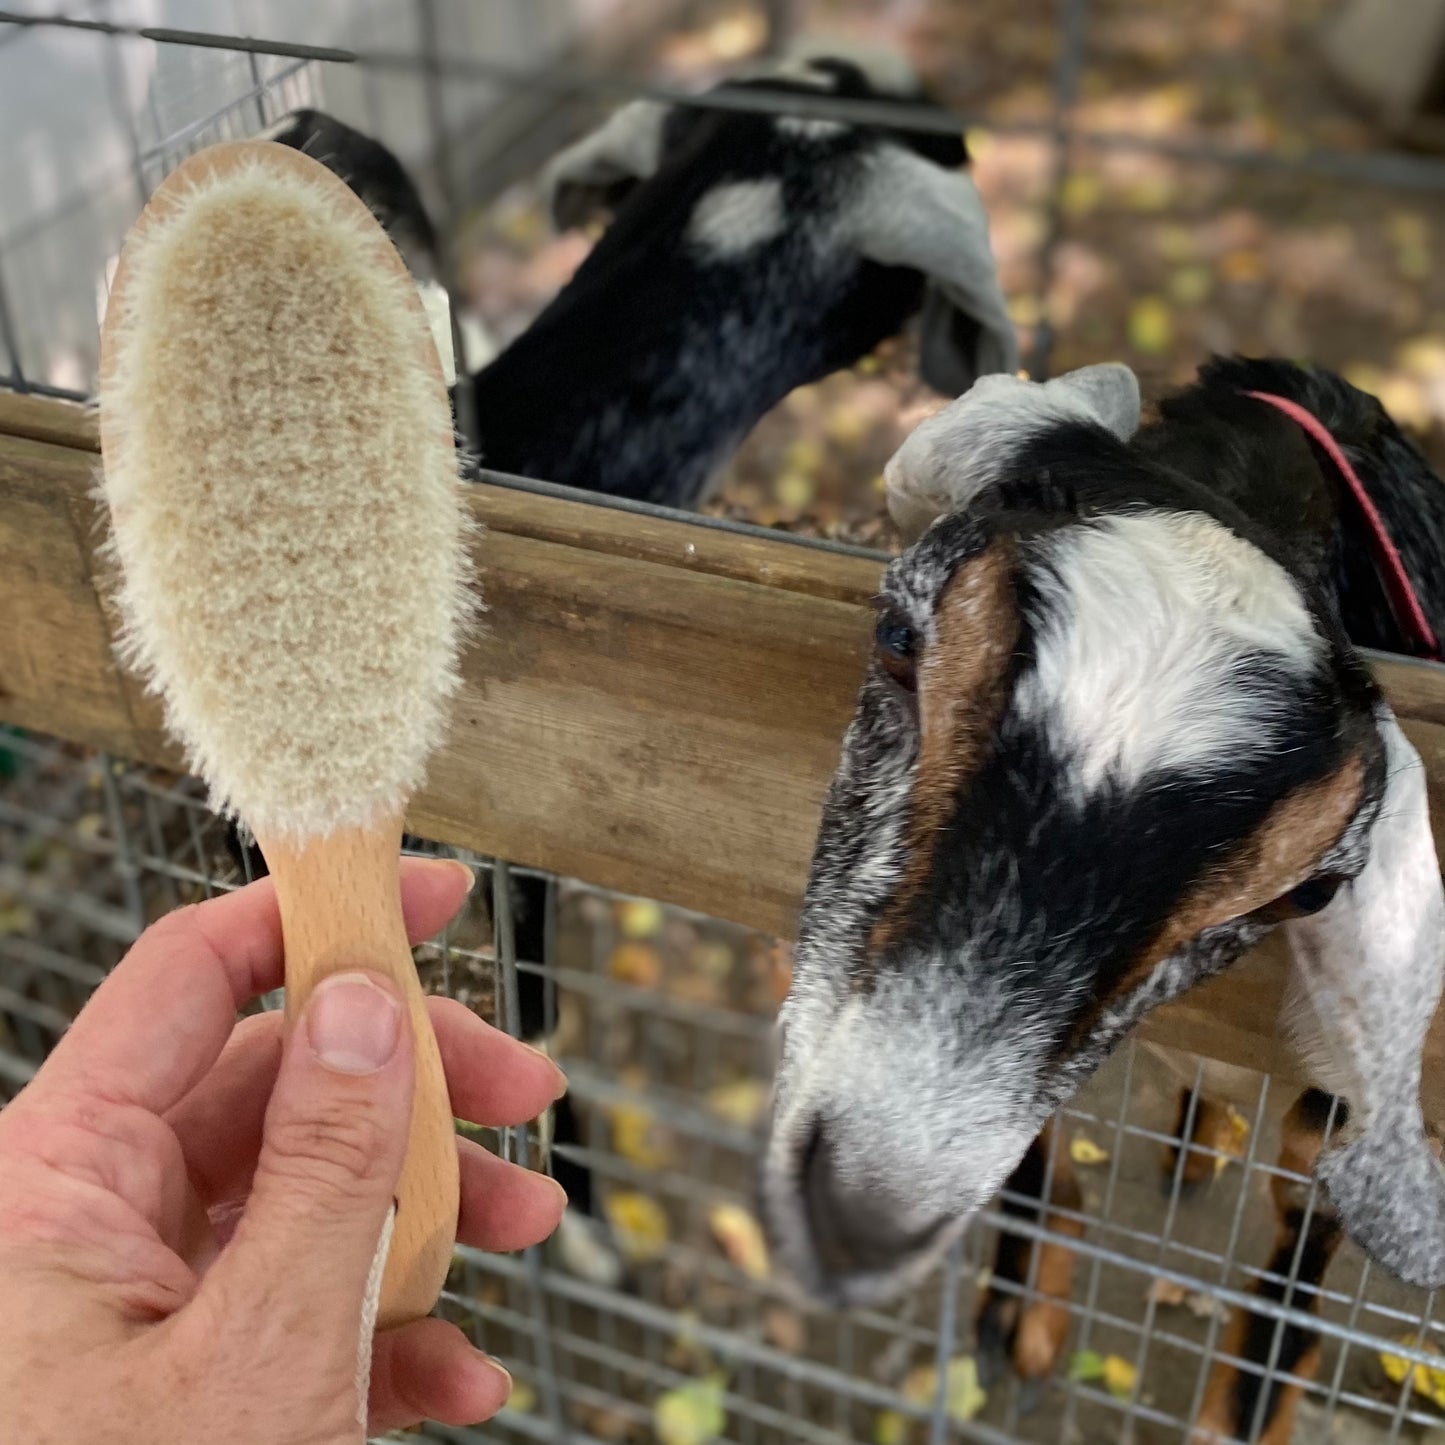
[
  {"x": 896, "y": 644},
  {"x": 1313, "y": 896}
]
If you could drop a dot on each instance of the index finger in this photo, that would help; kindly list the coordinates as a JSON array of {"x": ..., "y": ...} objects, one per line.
[{"x": 159, "y": 1021}]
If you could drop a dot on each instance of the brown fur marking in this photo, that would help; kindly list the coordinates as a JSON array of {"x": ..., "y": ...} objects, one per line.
[
  {"x": 1278, "y": 857},
  {"x": 961, "y": 695}
]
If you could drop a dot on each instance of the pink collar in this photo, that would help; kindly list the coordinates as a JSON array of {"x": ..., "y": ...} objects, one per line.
[{"x": 1408, "y": 611}]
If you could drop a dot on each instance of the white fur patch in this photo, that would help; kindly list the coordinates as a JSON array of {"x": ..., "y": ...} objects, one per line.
[
  {"x": 1149, "y": 619},
  {"x": 806, "y": 128},
  {"x": 732, "y": 219},
  {"x": 970, "y": 444}
]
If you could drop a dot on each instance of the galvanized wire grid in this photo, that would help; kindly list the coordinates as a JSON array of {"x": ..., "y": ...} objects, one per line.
[{"x": 91, "y": 849}]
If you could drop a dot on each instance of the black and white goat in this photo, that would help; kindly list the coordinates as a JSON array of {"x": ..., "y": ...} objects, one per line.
[
  {"x": 748, "y": 254},
  {"x": 1115, "y": 730}
]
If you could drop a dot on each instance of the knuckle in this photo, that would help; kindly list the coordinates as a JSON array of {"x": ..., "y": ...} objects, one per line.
[{"x": 338, "y": 1143}]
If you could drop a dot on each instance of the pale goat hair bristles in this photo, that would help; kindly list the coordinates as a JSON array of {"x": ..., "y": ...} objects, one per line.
[{"x": 285, "y": 503}]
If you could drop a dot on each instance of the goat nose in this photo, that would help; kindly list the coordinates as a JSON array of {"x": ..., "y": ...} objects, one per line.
[{"x": 855, "y": 1229}]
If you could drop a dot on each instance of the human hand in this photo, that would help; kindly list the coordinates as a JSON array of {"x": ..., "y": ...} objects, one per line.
[{"x": 189, "y": 1207}]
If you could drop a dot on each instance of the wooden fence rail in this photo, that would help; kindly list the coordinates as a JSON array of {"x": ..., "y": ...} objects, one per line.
[{"x": 652, "y": 705}]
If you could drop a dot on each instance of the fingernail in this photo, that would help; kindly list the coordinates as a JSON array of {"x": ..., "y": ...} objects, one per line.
[
  {"x": 497, "y": 1365},
  {"x": 353, "y": 1023},
  {"x": 559, "y": 1087},
  {"x": 561, "y": 1084},
  {"x": 469, "y": 872}
]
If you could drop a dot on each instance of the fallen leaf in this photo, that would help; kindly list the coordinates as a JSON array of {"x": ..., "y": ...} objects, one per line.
[
  {"x": 1151, "y": 327},
  {"x": 635, "y": 963},
  {"x": 1191, "y": 285},
  {"x": 636, "y": 1138},
  {"x": 741, "y": 1102},
  {"x": 963, "y": 1396},
  {"x": 712, "y": 958},
  {"x": 1081, "y": 194},
  {"x": 784, "y": 1329},
  {"x": 1242, "y": 264},
  {"x": 523, "y": 1398},
  {"x": 1206, "y": 1306},
  {"x": 1120, "y": 1377},
  {"x": 639, "y": 918},
  {"x": 1426, "y": 1380},
  {"x": 795, "y": 489},
  {"x": 1086, "y": 1366},
  {"x": 15, "y": 918},
  {"x": 1086, "y": 1152},
  {"x": 640, "y": 1225},
  {"x": 890, "y": 1427},
  {"x": 1166, "y": 1292},
  {"x": 1234, "y": 1138},
  {"x": 741, "y": 1238},
  {"x": 692, "y": 1414}
]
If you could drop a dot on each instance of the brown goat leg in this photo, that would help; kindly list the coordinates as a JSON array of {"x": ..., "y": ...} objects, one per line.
[
  {"x": 1208, "y": 1126},
  {"x": 1238, "y": 1400}
]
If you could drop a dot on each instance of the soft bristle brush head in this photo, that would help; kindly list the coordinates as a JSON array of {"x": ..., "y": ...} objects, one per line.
[{"x": 283, "y": 489}]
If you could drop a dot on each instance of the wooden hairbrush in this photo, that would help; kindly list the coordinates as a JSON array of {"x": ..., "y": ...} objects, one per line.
[{"x": 292, "y": 544}]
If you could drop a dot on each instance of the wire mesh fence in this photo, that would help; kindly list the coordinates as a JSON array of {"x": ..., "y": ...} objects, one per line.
[
  {"x": 664, "y": 1028},
  {"x": 1164, "y": 1286}
]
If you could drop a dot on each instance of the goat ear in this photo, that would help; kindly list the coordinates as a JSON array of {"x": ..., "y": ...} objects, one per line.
[
  {"x": 1363, "y": 989},
  {"x": 911, "y": 212},
  {"x": 957, "y": 453},
  {"x": 598, "y": 171}
]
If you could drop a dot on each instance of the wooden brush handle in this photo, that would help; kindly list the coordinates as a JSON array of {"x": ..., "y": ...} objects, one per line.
[{"x": 340, "y": 900}]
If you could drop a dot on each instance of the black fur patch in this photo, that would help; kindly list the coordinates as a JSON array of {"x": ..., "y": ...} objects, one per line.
[{"x": 1295, "y": 1341}]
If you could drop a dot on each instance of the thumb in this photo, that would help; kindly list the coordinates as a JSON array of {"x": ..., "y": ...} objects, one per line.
[{"x": 335, "y": 1136}]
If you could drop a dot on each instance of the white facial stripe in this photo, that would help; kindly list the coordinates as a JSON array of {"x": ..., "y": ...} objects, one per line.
[
  {"x": 1148, "y": 618},
  {"x": 732, "y": 219}
]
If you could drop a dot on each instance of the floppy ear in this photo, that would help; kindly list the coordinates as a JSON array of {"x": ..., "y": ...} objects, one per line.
[
  {"x": 911, "y": 212},
  {"x": 598, "y": 171},
  {"x": 956, "y": 453},
  {"x": 1365, "y": 982}
]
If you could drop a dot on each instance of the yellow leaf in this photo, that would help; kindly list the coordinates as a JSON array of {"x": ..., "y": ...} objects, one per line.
[
  {"x": 1426, "y": 1380},
  {"x": 741, "y": 1102},
  {"x": 639, "y": 1224},
  {"x": 805, "y": 456},
  {"x": 845, "y": 426},
  {"x": 692, "y": 1414},
  {"x": 1086, "y": 1152},
  {"x": 1151, "y": 327},
  {"x": 1025, "y": 310},
  {"x": 639, "y": 918},
  {"x": 1081, "y": 194},
  {"x": 635, "y": 1137},
  {"x": 890, "y": 1427},
  {"x": 635, "y": 963},
  {"x": 794, "y": 490},
  {"x": 1190, "y": 285},
  {"x": 523, "y": 1398},
  {"x": 741, "y": 1239},
  {"x": 1232, "y": 1142},
  {"x": 1120, "y": 1377},
  {"x": 963, "y": 1396}
]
